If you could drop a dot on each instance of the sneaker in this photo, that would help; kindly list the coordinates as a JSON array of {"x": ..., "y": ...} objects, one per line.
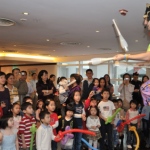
[{"x": 129, "y": 146}]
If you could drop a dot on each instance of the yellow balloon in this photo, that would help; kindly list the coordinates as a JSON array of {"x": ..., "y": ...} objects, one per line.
[{"x": 133, "y": 128}]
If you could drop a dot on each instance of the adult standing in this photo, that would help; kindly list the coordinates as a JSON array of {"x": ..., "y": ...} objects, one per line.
[
  {"x": 4, "y": 94},
  {"x": 52, "y": 78},
  {"x": 22, "y": 86},
  {"x": 136, "y": 94},
  {"x": 126, "y": 89},
  {"x": 109, "y": 85},
  {"x": 44, "y": 86},
  {"x": 87, "y": 84},
  {"x": 16, "y": 73},
  {"x": 13, "y": 91}
]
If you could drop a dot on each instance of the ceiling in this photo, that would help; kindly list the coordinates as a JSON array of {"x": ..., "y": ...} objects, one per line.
[{"x": 70, "y": 26}]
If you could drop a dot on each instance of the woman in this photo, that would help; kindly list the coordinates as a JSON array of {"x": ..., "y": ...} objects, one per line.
[
  {"x": 44, "y": 86},
  {"x": 109, "y": 85},
  {"x": 145, "y": 78},
  {"x": 13, "y": 91},
  {"x": 4, "y": 94},
  {"x": 126, "y": 89}
]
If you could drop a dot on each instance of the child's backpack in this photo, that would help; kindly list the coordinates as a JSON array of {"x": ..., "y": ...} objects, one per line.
[{"x": 145, "y": 92}]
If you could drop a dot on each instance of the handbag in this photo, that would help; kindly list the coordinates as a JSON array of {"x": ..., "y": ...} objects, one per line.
[{"x": 126, "y": 104}]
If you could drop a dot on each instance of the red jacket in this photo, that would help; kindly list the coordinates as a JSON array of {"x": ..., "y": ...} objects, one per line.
[{"x": 1, "y": 112}]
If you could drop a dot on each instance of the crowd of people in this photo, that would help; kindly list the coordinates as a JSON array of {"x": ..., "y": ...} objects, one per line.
[{"x": 86, "y": 104}]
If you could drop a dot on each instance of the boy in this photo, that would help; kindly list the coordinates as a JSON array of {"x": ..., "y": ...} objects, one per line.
[
  {"x": 44, "y": 134},
  {"x": 87, "y": 84},
  {"x": 106, "y": 108},
  {"x": 24, "y": 127}
]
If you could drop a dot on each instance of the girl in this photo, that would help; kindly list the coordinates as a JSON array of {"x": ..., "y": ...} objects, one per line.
[
  {"x": 96, "y": 89},
  {"x": 16, "y": 117},
  {"x": 93, "y": 124},
  {"x": 13, "y": 91},
  {"x": 50, "y": 106},
  {"x": 39, "y": 108},
  {"x": 132, "y": 112},
  {"x": 79, "y": 115},
  {"x": 145, "y": 78},
  {"x": 109, "y": 85},
  {"x": 8, "y": 134}
]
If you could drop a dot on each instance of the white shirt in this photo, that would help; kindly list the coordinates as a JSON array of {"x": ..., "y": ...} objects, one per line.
[
  {"x": 33, "y": 83},
  {"x": 106, "y": 108},
  {"x": 93, "y": 121},
  {"x": 128, "y": 91},
  {"x": 44, "y": 136}
]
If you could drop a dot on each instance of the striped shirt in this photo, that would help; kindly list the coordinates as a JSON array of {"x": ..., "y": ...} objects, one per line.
[{"x": 24, "y": 128}]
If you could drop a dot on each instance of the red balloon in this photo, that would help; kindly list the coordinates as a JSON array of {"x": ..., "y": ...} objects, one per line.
[
  {"x": 60, "y": 135},
  {"x": 121, "y": 126}
]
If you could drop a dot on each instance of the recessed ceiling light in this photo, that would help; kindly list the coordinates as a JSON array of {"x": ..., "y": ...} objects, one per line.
[
  {"x": 97, "y": 31},
  {"x": 49, "y": 55},
  {"x": 23, "y": 19},
  {"x": 47, "y": 40},
  {"x": 14, "y": 45},
  {"x": 54, "y": 50},
  {"x": 136, "y": 41},
  {"x": 26, "y": 13},
  {"x": 117, "y": 51},
  {"x": 88, "y": 46}
]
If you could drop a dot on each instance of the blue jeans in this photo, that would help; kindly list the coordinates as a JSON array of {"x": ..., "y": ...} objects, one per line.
[
  {"x": 77, "y": 140},
  {"x": 131, "y": 138},
  {"x": 54, "y": 145},
  {"x": 106, "y": 128},
  {"x": 115, "y": 137}
]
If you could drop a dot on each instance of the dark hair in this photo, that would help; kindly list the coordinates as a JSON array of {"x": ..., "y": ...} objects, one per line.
[
  {"x": 52, "y": 75},
  {"x": 14, "y": 104},
  {"x": 95, "y": 108},
  {"x": 109, "y": 78},
  {"x": 94, "y": 80},
  {"x": 25, "y": 105},
  {"x": 89, "y": 70},
  {"x": 104, "y": 81},
  {"x": 26, "y": 98},
  {"x": 134, "y": 102},
  {"x": 33, "y": 74},
  {"x": 24, "y": 72},
  {"x": 119, "y": 100},
  {"x": 115, "y": 100},
  {"x": 47, "y": 102},
  {"x": 15, "y": 69},
  {"x": 105, "y": 90},
  {"x": 135, "y": 74},
  {"x": 128, "y": 75},
  {"x": 40, "y": 100},
  {"x": 43, "y": 114},
  {"x": 2, "y": 74},
  {"x": 81, "y": 77},
  {"x": 60, "y": 78},
  {"x": 40, "y": 75},
  {"x": 7, "y": 76},
  {"x": 77, "y": 77},
  {"x": 70, "y": 107},
  {"x": 4, "y": 121},
  {"x": 144, "y": 77}
]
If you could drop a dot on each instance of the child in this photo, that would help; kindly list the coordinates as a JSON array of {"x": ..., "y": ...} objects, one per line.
[
  {"x": 25, "y": 125},
  {"x": 96, "y": 89},
  {"x": 68, "y": 120},
  {"x": 79, "y": 115},
  {"x": 39, "y": 108},
  {"x": 146, "y": 123},
  {"x": 28, "y": 99},
  {"x": 44, "y": 134},
  {"x": 50, "y": 106},
  {"x": 93, "y": 124},
  {"x": 106, "y": 108},
  {"x": 132, "y": 112},
  {"x": 9, "y": 140},
  {"x": 16, "y": 117},
  {"x": 115, "y": 133}
]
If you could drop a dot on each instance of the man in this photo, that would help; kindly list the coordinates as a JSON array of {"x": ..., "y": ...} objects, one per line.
[
  {"x": 137, "y": 84},
  {"x": 22, "y": 86},
  {"x": 16, "y": 73},
  {"x": 87, "y": 84}
]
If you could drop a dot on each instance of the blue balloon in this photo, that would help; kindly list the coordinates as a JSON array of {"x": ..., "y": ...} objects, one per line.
[{"x": 90, "y": 146}]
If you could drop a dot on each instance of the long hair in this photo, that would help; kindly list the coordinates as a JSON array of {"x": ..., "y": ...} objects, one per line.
[
  {"x": 40, "y": 75},
  {"x": 108, "y": 77},
  {"x": 104, "y": 81}
]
